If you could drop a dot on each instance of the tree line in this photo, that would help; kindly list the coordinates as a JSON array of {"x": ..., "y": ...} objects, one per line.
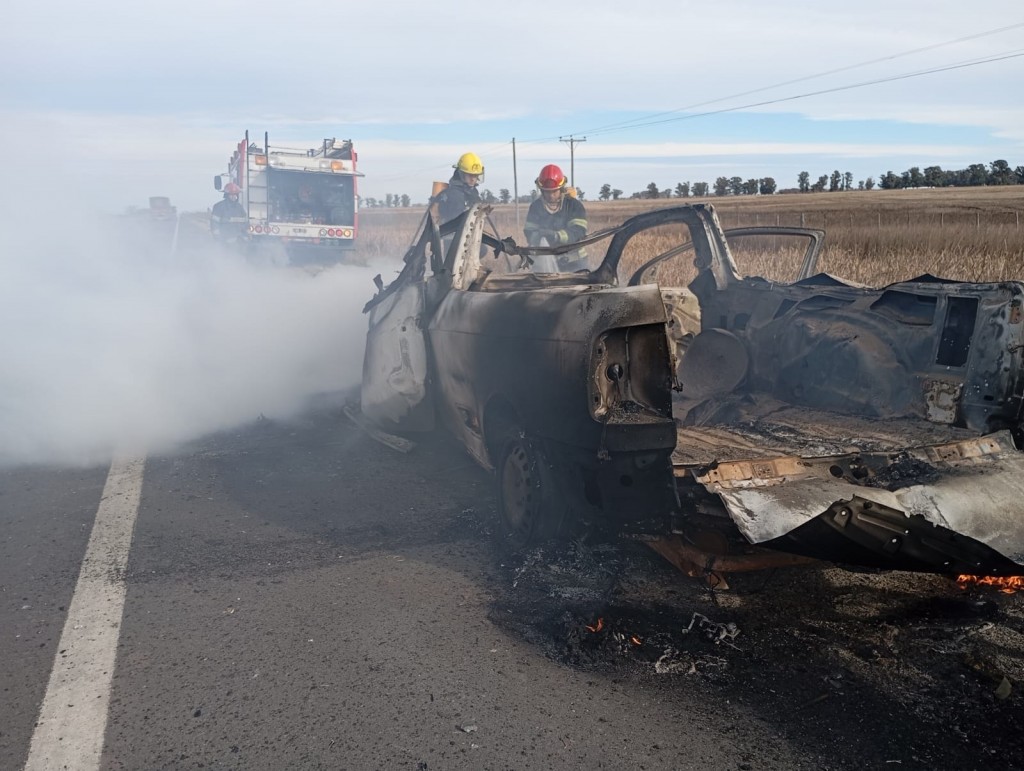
[{"x": 998, "y": 172}]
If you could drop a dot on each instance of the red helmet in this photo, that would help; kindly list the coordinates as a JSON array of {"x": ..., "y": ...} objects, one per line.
[
  {"x": 551, "y": 178},
  {"x": 232, "y": 189}
]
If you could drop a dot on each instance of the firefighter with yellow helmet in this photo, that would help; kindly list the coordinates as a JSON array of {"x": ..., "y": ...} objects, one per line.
[
  {"x": 461, "y": 192},
  {"x": 557, "y": 217}
]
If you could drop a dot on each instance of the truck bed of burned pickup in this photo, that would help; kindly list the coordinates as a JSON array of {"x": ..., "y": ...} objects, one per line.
[
  {"x": 748, "y": 427},
  {"x": 896, "y": 493}
]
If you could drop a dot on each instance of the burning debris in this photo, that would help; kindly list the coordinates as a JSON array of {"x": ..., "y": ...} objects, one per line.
[
  {"x": 569, "y": 599},
  {"x": 1006, "y": 585},
  {"x": 714, "y": 632}
]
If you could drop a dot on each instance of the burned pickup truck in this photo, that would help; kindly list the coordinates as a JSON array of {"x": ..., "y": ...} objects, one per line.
[{"x": 808, "y": 416}]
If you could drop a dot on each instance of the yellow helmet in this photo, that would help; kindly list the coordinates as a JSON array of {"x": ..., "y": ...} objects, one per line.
[{"x": 470, "y": 163}]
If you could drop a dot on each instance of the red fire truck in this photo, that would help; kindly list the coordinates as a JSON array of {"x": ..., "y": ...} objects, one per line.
[{"x": 299, "y": 203}]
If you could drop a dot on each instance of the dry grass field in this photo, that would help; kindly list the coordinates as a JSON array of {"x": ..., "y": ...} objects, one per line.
[{"x": 873, "y": 237}]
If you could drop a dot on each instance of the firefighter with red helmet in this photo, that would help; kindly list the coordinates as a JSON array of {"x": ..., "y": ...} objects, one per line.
[
  {"x": 557, "y": 217},
  {"x": 461, "y": 192},
  {"x": 228, "y": 219}
]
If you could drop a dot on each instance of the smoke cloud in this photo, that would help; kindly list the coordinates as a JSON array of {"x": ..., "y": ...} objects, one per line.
[{"x": 109, "y": 339}]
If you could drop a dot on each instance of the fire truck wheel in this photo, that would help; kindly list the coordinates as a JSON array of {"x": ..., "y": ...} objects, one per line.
[{"x": 529, "y": 501}]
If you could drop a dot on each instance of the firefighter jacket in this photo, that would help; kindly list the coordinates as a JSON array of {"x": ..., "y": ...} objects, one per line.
[
  {"x": 455, "y": 199},
  {"x": 228, "y": 219},
  {"x": 566, "y": 226}
]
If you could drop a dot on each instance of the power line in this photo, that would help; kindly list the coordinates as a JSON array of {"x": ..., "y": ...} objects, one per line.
[
  {"x": 962, "y": 65},
  {"x": 805, "y": 78},
  {"x": 572, "y": 142}
]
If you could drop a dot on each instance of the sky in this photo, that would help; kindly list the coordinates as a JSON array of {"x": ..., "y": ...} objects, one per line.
[{"x": 115, "y": 101}]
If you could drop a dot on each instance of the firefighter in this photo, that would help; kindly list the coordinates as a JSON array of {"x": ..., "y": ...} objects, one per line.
[
  {"x": 557, "y": 218},
  {"x": 228, "y": 218},
  {"x": 461, "y": 192},
  {"x": 305, "y": 203}
]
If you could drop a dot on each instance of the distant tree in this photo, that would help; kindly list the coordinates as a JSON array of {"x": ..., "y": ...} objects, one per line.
[
  {"x": 869, "y": 183},
  {"x": 700, "y": 189},
  {"x": 504, "y": 195},
  {"x": 848, "y": 181},
  {"x": 889, "y": 181},
  {"x": 977, "y": 174},
  {"x": 722, "y": 186},
  {"x": 652, "y": 190},
  {"x": 766, "y": 186},
  {"x": 803, "y": 181},
  {"x": 750, "y": 186},
  {"x": 860, "y": 185},
  {"x": 606, "y": 192},
  {"x": 934, "y": 176},
  {"x": 1001, "y": 174},
  {"x": 636, "y": 195},
  {"x": 835, "y": 182},
  {"x": 683, "y": 190},
  {"x": 406, "y": 200},
  {"x": 819, "y": 186},
  {"x": 580, "y": 194},
  {"x": 616, "y": 194},
  {"x": 915, "y": 177},
  {"x": 1019, "y": 171},
  {"x": 370, "y": 202},
  {"x": 488, "y": 197},
  {"x": 736, "y": 185}
]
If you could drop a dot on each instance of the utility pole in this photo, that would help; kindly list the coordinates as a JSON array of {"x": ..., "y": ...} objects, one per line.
[
  {"x": 515, "y": 182},
  {"x": 572, "y": 141}
]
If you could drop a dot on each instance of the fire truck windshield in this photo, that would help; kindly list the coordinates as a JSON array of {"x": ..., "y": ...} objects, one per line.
[{"x": 311, "y": 197}]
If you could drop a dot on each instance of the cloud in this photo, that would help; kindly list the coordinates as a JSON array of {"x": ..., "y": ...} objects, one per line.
[{"x": 401, "y": 80}]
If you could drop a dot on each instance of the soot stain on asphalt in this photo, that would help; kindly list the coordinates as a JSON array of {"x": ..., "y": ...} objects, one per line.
[{"x": 862, "y": 668}]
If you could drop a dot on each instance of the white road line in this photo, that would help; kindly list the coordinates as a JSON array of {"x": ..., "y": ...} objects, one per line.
[{"x": 73, "y": 716}]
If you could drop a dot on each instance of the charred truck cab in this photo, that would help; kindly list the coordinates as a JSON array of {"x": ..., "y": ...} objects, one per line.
[
  {"x": 873, "y": 427},
  {"x": 300, "y": 204},
  {"x": 558, "y": 384}
]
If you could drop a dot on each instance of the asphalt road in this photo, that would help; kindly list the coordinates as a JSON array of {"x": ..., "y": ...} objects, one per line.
[{"x": 299, "y": 596}]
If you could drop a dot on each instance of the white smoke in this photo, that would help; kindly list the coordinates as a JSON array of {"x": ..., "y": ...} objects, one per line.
[{"x": 110, "y": 342}]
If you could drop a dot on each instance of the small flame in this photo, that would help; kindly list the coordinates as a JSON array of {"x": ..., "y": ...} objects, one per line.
[
  {"x": 636, "y": 640},
  {"x": 1008, "y": 585},
  {"x": 596, "y": 627}
]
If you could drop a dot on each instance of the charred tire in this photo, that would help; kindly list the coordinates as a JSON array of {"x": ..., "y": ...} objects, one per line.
[{"x": 531, "y": 505}]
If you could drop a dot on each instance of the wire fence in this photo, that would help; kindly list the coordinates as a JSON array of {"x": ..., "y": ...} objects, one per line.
[{"x": 877, "y": 219}]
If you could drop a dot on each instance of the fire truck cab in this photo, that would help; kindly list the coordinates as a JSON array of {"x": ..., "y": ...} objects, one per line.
[{"x": 300, "y": 203}]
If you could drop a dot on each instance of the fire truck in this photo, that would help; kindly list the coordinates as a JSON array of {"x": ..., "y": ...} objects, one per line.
[{"x": 299, "y": 203}]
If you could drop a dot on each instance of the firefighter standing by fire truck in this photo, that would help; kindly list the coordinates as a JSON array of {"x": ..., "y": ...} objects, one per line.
[
  {"x": 461, "y": 192},
  {"x": 228, "y": 219},
  {"x": 557, "y": 217}
]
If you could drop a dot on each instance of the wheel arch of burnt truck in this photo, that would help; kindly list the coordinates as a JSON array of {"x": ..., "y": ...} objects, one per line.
[{"x": 299, "y": 201}]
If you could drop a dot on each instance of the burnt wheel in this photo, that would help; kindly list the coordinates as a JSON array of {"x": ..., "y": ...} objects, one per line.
[{"x": 528, "y": 499}]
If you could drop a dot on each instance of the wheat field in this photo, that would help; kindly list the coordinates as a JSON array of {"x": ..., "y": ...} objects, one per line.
[{"x": 872, "y": 237}]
